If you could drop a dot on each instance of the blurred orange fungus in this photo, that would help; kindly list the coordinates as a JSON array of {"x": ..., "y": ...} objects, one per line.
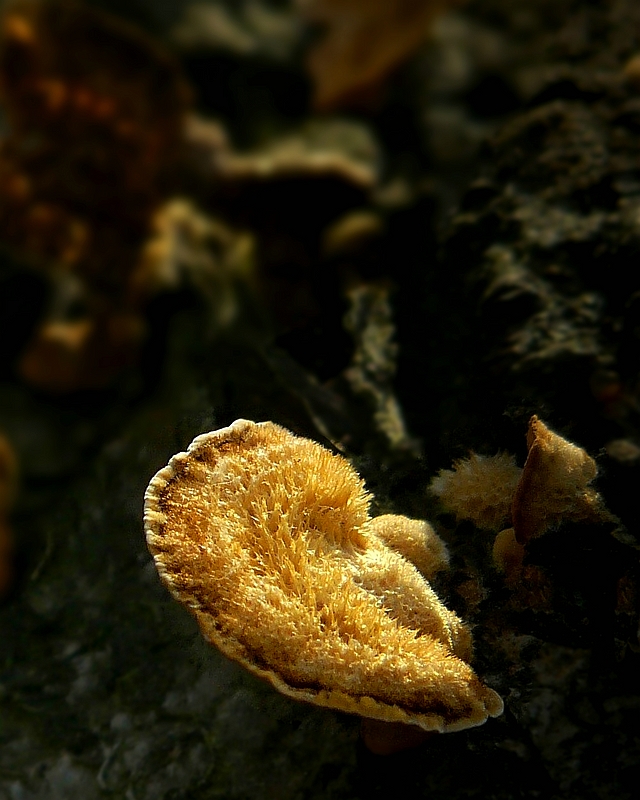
[
  {"x": 364, "y": 41},
  {"x": 95, "y": 111}
]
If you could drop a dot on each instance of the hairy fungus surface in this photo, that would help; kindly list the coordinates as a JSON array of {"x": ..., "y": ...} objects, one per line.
[
  {"x": 554, "y": 485},
  {"x": 479, "y": 488},
  {"x": 414, "y": 539},
  {"x": 266, "y": 537}
]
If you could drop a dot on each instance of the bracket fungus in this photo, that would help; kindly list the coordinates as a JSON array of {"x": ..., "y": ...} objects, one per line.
[{"x": 267, "y": 538}]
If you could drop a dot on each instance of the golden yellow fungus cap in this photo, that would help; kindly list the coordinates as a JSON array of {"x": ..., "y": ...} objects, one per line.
[{"x": 266, "y": 537}]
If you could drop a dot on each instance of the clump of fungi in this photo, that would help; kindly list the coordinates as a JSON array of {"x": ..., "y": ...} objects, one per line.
[
  {"x": 267, "y": 538},
  {"x": 493, "y": 493}
]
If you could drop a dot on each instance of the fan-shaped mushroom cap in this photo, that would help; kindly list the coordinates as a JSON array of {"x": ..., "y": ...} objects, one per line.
[{"x": 266, "y": 537}]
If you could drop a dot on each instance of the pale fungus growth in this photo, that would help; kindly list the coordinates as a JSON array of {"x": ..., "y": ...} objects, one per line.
[
  {"x": 321, "y": 149},
  {"x": 554, "y": 485},
  {"x": 266, "y": 537},
  {"x": 479, "y": 489},
  {"x": 414, "y": 539}
]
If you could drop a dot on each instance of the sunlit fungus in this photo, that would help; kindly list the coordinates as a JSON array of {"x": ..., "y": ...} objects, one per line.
[
  {"x": 479, "y": 489},
  {"x": 555, "y": 485},
  {"x": 266, "y": 537},
  {"x": 414, "y": 539}
]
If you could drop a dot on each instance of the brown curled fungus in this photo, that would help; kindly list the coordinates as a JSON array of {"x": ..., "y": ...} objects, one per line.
[
  {"x": 555, "y": 485},
  {"x": 266, "y": 537}
]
